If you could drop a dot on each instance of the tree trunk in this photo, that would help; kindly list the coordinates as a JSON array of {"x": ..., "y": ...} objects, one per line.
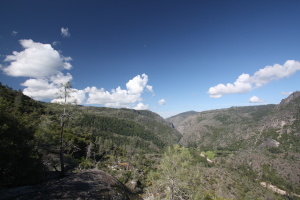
[{"x": 62, "y": 164}]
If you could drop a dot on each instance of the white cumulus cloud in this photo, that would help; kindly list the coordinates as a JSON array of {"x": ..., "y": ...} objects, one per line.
[
  {"x": 241, "y": 85},
  {"x": 60, "y": 78},
  {"x": 40, "y": 89},
  {"x": 116, "y": 98},
  {"x": 162, "y": 102},
  {"x": 37, "y": 60},
  {"x": 141, "y": 106},
  {"x": 45, "y": 88},
  {"x": 65, "y": 32},
  {"x": 245, "y": 83},
  {"x": 75, "y": 96},
  {"x": 119, "y": 97},
  {"x": 43, "y": 65},
  {"x": 138, "y": 84},
  {"x": 255, "y": 99}
]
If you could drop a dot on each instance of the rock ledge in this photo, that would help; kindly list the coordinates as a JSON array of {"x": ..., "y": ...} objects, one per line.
[{"x": 91, "y": 184}]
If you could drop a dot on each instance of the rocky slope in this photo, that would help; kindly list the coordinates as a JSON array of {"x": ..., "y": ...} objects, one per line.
[
  {"x": 238, "y": 127},
  {"x": 260, "y": 142},
  {"x": 92, "y": 184}
]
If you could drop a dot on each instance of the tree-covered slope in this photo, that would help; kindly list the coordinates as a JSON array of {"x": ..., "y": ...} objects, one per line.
[
  {"x": 19, "y": 118},
  {"x": 243, "y": 127},
  {"x": 144, "y": 122},
  {"x": 177, "y": 119},
  {"x": 261, "y": 143},
  {"x": 223, "y": 127},
  {"x": 91, "y": 136},
  {"x": 230, "y": 153}
]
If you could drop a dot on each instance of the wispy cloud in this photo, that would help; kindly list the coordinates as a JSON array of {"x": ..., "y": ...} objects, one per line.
[
  {"x": 255, "y": 99},
  {"x": 14, "y": 33},
  {"x": 65, "y": 32},
  {"x": 55, "y": 43},
  {"x": 150, "y": 89},
  {"x": 246, "y": 83},
  {"x": 286, "y": 93}
]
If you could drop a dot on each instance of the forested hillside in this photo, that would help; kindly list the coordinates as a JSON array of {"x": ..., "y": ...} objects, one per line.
[
  {"x": 260, "y": 142},
  {"x": 222, "y": 154},
  {"x": 19, "y": 117},
  {"x": 92, "y": 138}
]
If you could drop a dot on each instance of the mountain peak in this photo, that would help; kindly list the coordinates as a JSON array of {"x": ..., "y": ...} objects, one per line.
[
  {"x": 289, "y": 99},
  {"x": 184, "y": 114}
]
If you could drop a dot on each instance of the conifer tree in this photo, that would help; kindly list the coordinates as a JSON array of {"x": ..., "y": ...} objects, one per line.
[{"x": 174, "y": 169}]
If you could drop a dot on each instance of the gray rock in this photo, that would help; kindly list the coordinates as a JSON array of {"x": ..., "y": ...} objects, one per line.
[{"x": 91, "y": 184}]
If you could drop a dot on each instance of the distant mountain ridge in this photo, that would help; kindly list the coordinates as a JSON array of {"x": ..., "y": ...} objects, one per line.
[{"x": 237, "y": 126}]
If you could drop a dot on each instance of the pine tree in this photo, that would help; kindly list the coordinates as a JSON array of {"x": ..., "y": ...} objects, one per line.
[{"x": 174, "y": 173}]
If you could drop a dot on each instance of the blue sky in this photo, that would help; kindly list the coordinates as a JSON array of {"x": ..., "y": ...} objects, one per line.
[{"x": 165, "y": 56}]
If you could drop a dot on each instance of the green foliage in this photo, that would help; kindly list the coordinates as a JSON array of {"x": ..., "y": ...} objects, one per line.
[
  {"x": 128, "y": 144},
  {"x": 210, "y": 195},
  {"x": 107, "y": 126},
  {"x": 125, "y": 177},
  {"x": 179, "y": 175},
  {"x": 248, "y": 171},
  {"x": 173, "y": 170},
  {"x": 223, "y": 153},
  {"x": 275, "y": 150},
  {"x": 209, "y": 154},
  {"x": 48, "y": 139},
  {"x": 290, "y": 142},
  {"x": 270, "y": 133},
  {"x": 222, "y": 117},
  {"x": 261, "y": 111},
  {"x": 206, "y": 148},
  {"x": 86, "y": 163},
  {"x": 200, "y": 119},
  {"x": 20, "y": 162},
  {"x": 269, "y": 175}
]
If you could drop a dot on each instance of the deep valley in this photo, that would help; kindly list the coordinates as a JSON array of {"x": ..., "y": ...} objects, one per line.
[{"x": 232, "y": 153}]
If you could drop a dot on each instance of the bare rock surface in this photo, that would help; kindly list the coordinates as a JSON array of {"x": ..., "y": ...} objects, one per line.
[{"x": 91, "y": 184}]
